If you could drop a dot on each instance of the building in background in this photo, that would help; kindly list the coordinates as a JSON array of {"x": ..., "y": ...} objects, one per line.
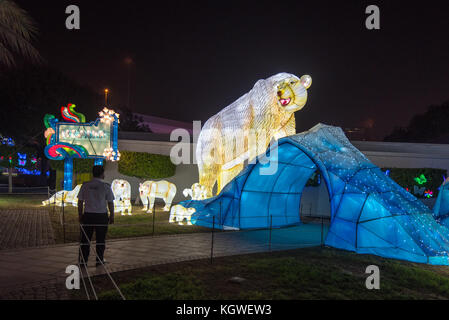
[
  {"x": 358, "y": 134},
  {"x": 315, "y": 200},
  {"x": 163, "y": 125}
]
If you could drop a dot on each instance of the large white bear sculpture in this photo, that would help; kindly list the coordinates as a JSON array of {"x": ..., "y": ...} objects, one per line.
[
  {"x": 149, "y": 190},
  {"x": 244, "y": 129},
  {"x": 122, "y": 194},
  {"x": 196, "y": 192},
  {"x": 68, "y": 197},
  {"x": 178, "y": 213}
]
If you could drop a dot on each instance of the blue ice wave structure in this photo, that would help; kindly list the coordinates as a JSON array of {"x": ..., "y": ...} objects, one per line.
[
  {"x": 441, "y": 206},
  {"x": 370, "y": 213}
]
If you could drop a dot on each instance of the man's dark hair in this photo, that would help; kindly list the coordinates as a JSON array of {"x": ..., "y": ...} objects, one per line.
[{"x": 97, "y": 171}]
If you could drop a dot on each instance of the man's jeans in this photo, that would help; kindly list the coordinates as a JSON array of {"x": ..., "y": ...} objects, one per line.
[{"x": 91, "y": 222}]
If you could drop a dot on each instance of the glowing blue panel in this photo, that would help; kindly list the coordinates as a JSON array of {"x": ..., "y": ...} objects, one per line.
[{"x": 370, "y": 213}]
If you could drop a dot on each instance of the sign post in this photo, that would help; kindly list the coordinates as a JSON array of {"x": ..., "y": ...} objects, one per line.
[{"x": 68, "y": 173}]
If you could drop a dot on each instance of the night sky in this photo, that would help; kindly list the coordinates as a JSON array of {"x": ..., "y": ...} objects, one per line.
[{"x": 193, "y": 58}]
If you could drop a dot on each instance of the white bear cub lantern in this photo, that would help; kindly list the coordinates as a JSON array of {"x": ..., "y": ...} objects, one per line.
[
  {"x": 66, "y": 197},
  {"x": 178, "y": 213},
  {"x": 122, "y": 195},
  {"x": 150, "y": 190},
  {"x": 196, "y": 192}
]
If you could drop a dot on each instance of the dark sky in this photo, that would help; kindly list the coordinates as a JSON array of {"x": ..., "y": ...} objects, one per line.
[{"x": 193, "y": 58}]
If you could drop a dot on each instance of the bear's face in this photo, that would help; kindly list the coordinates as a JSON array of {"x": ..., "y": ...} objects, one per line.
[
  {"x": 292, "y": 92},
  {"x": 119, "y": 187},
  {"x": 143, "y": 189}
]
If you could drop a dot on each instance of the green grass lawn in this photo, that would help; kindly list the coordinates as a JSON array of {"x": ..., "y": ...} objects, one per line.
[
  {"x": 138, "y": 224},
  {"x": 21, "y": 201},
  {"x": 311, "y": 273}
]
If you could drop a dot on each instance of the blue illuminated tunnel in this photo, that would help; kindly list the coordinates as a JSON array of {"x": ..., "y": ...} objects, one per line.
[{"x": 370, "y": 213}]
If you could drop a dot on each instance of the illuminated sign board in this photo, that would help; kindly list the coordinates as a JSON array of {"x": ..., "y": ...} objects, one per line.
[
  {"x": 77, "y": 138},
  {"x": 94, "y": 137}
]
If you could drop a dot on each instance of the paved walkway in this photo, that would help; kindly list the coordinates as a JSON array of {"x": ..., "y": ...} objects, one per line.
[
  {"x": 24, "y": 271},
  {"x": 25, "y": 228}
]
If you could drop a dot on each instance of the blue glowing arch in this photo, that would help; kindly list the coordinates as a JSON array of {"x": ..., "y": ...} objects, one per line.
[{"x": 370, "y": 213}]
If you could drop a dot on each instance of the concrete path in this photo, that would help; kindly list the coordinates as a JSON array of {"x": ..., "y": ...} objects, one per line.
[
  {"x": 44, "y": 267},
  {"x": 25, "y": 228}
]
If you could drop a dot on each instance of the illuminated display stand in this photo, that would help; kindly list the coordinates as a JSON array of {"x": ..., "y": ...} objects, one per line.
[
  {"x": 370, "y": 213},
  {"x": 122, "y": 194},
  {"x": 76, "y": 138},
  {"x": 150, "y": 190}
]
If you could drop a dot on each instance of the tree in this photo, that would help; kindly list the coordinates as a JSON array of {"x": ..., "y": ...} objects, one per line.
[
  {"x": 10, "y": 159},
  {"x": 430, "y": 126},
  {"x": 29, "y": 92},
  {"x": 130, "y": 122},
  {"x": 145, "y": 165},
  {"x": 17, "y": 30}
]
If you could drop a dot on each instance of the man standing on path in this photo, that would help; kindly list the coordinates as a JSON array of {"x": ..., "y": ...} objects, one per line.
[{"x": 93, "y": 214}]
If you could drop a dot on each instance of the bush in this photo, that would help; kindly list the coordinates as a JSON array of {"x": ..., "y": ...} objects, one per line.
[
  {"x": 79, "y": 165},
  {"x": 314, "y": 180},
  {"x": 405, "y": 177},
  {"x": 145, "y": 165},
  {"x": 82, "y": 171}
]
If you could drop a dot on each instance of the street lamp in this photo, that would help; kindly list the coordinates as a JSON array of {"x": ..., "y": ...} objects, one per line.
[{"x": 106, "y": 91}]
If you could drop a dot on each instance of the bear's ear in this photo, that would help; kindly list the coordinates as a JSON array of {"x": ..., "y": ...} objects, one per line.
[{"x": 306, "y": 81}]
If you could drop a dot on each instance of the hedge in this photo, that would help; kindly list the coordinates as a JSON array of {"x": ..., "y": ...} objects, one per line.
[
  {"x": 145, "y": 165},
  {"x": 314, "y": 180},
  {"x": 428, "y": 179},
  {"x": 79, "y": 165},
  {"x": 405, "y": 177},
  {"x": 82, "y": 171}
]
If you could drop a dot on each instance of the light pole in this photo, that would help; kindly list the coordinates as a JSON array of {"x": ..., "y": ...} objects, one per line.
[{"x": 106, "y": 91}]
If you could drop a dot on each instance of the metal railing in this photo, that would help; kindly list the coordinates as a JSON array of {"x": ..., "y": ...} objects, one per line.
[
  {"x": 84, "y": 263},
  {"x": 271, "y": 237},
  {"x": 44, "y": 190}
]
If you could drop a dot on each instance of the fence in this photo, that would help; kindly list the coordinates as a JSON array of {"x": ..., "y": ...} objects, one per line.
[
  {"x": 157, "y": 224},
  {"x": 82, "y": 266},
  {"x": 212, "y": 244},
  {"x": 313, "y": 228},
  {"x": 186, "y": 242},
  {"x": 44, "y": 190},
  {"x": 64, "y": 217}
]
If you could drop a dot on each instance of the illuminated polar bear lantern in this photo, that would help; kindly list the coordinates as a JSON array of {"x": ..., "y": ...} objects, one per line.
[
  {"x": 179, "y": 213},
  {"x": 122, "y": 194},
  {"x": 196, "y": 192},
  {"x": 156, "y": 189},
  {"x": 68, "y": 197},
  {"x": 245, "y": 128}
]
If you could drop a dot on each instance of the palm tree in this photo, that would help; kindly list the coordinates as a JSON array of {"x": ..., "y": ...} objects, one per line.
[{"x": 17, "y": 30}]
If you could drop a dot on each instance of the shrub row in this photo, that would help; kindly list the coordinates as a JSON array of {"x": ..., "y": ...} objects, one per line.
[{"x": 145, "y": 165}]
